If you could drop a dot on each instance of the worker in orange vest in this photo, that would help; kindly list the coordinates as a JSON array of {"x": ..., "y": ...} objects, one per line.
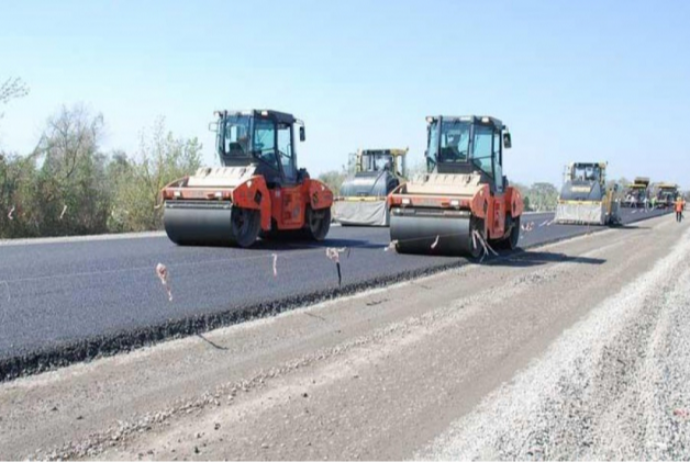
[{"x": 680, "y": 206}]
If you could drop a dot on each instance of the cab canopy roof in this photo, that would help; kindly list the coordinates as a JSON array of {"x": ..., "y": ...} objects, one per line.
[
  {"x": 384, "y": 152},
  {"x": 601, "y": 165},
  {"x": 473, "y": 119},
  {"x": 668, "y": 186},
  {"x": 640, "y": 183},
  {"x": 280, "y": 117}
]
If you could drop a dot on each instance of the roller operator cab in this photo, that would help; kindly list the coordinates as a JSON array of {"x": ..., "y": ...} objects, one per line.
[
  {"x": 464, "y": 198},
  {"x": 362, "y": 198},
  {"x": 258, "y": 190}
]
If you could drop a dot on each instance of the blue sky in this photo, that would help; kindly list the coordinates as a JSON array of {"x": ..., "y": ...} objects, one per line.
[{"x": 585, "y": 80}]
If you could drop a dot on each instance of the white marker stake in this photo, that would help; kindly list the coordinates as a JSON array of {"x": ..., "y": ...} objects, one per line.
[
  {"x": 9, "y": 215},
  {"x": 62, "y": 214},
  {"x": 275, "y": 264},
  {"x": 333, "y": 254},
  {"x": 391, "y": 246},
  {"x": 162, "y": 273},
  {"x": 435, "y": 243}
]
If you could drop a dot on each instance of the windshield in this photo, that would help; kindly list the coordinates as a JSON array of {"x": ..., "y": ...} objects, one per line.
[
  {"x": 586, "y": 173},
  {"x": 236, "y": 140},
  {"x": 448, "y": 143},
  {"x": 372, "y": 162}
]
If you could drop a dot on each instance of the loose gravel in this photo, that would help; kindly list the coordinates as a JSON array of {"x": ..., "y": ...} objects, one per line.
[{"x": 615, "y": 386}]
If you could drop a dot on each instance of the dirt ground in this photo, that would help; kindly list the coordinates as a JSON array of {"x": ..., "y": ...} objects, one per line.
[{"x": 575, "y": 350}]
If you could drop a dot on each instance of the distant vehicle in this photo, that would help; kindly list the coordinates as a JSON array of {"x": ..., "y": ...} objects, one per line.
[
  {"x": 585, "y": 197},
  {"x": 666, "y": 195},
  {"x": 362, "y": 198},
  {"x": 637, "y": 194}
]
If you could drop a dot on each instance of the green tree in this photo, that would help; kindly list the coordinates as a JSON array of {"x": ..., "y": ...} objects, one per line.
[
  {"x": 543, "y": 196},
  {"x": 10, "y": 89},
  {"x": 69, "y": 197},
  {"x": 162, "y": 158},
  {"x": 17, "y": 186}
]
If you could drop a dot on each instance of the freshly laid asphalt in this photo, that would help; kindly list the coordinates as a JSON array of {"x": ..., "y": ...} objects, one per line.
[{"x": 72, "y": 300}]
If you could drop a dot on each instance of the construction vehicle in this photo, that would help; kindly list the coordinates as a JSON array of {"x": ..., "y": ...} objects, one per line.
[
  {"x": 258, "y": 189},
  {"x": 637, "y": 194},
  {"x": 666, "y": 195},
  {"x": 464, "y": 202},
  {"x": 585, "y": 199},
  {"x": 362, "y": 198}
]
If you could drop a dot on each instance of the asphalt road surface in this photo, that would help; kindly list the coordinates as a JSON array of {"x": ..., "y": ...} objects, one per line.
[
  {"x": 576, "y": 350},
  {"x": 64, "y": 301}
]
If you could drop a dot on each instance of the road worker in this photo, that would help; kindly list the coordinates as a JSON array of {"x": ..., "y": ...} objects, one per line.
[{"x": 680, "y": 206}]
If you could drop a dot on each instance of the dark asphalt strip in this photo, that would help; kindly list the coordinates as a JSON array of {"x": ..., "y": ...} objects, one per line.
[{"x": 64, "y": 352}]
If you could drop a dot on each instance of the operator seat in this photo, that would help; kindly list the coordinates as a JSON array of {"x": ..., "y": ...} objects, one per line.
[{"x": 236, "y": 150}]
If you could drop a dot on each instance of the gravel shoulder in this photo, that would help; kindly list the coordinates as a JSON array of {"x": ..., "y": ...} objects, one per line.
[
  {"x": 614, "y": 386},
  {"x": 583, "y": 340}
]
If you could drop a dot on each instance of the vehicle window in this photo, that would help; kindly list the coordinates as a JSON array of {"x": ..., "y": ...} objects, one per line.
[
  {"x": 482, "y": 153},
  {"x": 455, "y": 141},
  {"x": 285, "y": 151},
  {"x": 587, "y": 173},
  {"x": 265, "y": 141},
  {"x": 498, "y": 168},
  {"x": 432, "y": 151},
  {"x": 383, "y": 162},
  {"x": 237, "y": 137}
]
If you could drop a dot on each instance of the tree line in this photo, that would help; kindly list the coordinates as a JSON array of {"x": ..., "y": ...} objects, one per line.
[{"x": 68, "y": 185}]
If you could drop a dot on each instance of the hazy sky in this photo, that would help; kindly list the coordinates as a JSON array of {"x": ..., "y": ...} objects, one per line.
[{"x": 574, "y": 80}]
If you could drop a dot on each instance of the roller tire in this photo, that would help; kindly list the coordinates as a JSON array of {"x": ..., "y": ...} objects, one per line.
[
  {"x": 246, "y": 225},
  {"x": 513, "y": 240},
  {"x": 317, "y": 223}
]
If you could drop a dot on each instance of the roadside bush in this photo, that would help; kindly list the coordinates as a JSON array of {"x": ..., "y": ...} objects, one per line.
[
  {"x": 68, "y": 186},
  {"x": 137, "y": 181}
]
